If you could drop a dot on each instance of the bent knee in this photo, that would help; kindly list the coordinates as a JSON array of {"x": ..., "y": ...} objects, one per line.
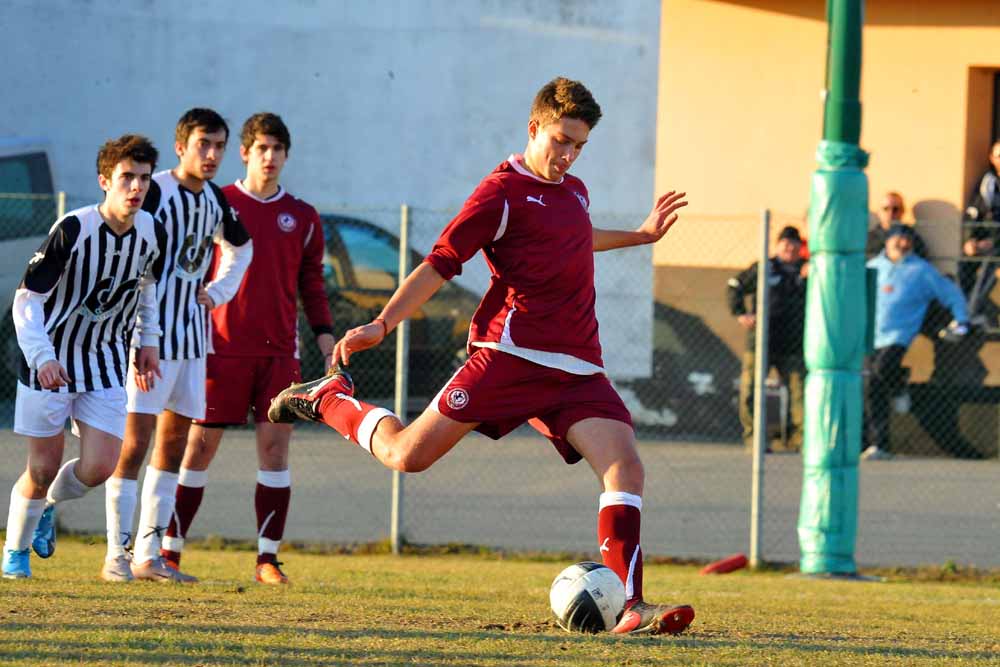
[{"x": 42, "y": 475}]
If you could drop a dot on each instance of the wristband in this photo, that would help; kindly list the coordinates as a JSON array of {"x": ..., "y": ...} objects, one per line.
[{"x": 385, "y": 327}]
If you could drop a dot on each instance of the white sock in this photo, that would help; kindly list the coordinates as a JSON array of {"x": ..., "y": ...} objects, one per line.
[
  {"x": 158, "y": 494},
  {"x": 22, "y": 518},
  {"x": 119, "y": 511},
  {"x": 66, "y": 485}
]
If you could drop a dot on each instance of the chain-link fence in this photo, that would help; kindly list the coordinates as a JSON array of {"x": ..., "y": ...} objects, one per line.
[{"x": 677, "y": 352}]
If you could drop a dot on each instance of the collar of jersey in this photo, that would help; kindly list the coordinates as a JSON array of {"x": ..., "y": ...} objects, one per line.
[
  {"x": 516, "y": 161},
  {"x": 270, "y": 200}
]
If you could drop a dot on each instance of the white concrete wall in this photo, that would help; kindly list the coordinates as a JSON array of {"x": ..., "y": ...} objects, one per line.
[{"x": 387, "y": 101}]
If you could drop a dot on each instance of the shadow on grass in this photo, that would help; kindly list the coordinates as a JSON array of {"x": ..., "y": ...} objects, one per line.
[{"x": 183, "y": 644}]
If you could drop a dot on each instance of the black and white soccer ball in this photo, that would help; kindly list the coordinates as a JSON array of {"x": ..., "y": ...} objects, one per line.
[{"x": 587, "y": 597}]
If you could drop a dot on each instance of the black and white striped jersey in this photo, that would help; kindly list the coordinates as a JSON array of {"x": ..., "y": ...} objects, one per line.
[
  {"x": 194, "y": 221},
  {"x": 84, "y": 292}
]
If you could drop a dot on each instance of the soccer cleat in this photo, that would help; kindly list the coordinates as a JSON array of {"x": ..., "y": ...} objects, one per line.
[
  {"x": 654, "y": 619},
  {"x": 179, "y": 576},
  {"x": 117, "y": 569},
  {"x": 270, "y": 573},
  {"x": 874, "y": 453},
  {"x": 301, "y": 401},
  {"x": 171, "y": 558},
  {"x": 44, "y": 539},
  {"x": 156, "y": 569},
  {"x": 16, "y": 564}
]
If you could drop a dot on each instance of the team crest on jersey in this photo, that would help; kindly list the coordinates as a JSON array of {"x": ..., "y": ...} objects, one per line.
[
  {"x": 583, "y": 201},
  {"x": 106, "y": 300},
  {"x": 192, "y": 258},
  {"x": 457, "y": 399},
  {"x": 286, "y": 222}
]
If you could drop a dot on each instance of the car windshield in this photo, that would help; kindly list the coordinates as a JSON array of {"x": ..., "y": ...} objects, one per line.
[{"x": 373, "y": 254}]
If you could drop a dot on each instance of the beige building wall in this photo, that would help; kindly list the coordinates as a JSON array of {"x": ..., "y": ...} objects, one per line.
[{"x": 740, "y": 114}]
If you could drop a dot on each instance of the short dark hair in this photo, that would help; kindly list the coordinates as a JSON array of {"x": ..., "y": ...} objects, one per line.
[
  {"x": 565, "y": 98},
  {"x": 133, "y": 147},
  {"x": 207, "y": 119},
  {"x": 265, "y": 123}
]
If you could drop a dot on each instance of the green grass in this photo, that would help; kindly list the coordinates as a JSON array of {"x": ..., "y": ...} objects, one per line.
[{"x": 472, "y": 610}]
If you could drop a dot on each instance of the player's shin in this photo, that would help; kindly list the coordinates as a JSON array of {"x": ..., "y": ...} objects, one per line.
[
  {"x": 158, "y": 489},
  {"x": 119, "y": 509},
  {"x": 22, "y": 517},
  {"x": 187, "y": 500},
  {"x": 271, "y": 501},
  {"x": 353, "y": 419},
  {"x": 618, "y": 523}
]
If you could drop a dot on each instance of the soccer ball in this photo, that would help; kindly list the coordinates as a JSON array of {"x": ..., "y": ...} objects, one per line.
[{"x": 587, "y": 597}]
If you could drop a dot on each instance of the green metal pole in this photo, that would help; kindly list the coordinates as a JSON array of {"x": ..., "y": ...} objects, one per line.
[{"x": 836, "y": 312}]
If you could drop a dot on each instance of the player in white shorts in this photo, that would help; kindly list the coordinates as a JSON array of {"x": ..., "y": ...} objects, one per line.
[
  {"x": 196, "y": 215},
  {"x": 87, "y": 289}
]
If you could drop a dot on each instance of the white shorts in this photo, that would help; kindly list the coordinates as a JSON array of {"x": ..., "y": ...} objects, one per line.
[
  {"x": 180, "y": 390},
  {"x": 42, "y": 414}
]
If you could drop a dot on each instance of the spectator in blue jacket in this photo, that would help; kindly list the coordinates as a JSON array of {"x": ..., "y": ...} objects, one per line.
[{"x": 906, "y": 286}]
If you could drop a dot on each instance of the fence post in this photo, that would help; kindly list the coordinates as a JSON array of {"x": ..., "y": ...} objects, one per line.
[
  {"x": 60, "y": 204},
  {"x": 402, "y": 377},
  {"x": 761, "y": 366}
]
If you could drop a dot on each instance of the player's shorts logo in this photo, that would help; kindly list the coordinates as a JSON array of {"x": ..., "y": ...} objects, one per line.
[
  {"x": 286, "y": 222},
  {"x": 457, "y": 399}
]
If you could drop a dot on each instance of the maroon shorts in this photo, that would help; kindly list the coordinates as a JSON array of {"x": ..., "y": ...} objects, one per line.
[
  {"x": 502, "y": 391},
  {"x": 237, "y": 385}
]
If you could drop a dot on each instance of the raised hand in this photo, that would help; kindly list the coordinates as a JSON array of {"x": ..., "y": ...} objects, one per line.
[{"x": 663, "y": 216}]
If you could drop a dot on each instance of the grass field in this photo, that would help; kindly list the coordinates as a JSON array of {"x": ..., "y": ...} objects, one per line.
[{"x": 472, "y": 610}]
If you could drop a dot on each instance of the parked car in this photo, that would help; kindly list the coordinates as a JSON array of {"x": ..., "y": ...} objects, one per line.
[
  {"x": 361, "y": 268},
  {"x": 28, "y": 208}
]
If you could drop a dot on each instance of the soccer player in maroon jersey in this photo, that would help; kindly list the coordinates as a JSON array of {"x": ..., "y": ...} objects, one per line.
[
  {"x": 254, "y": 352},
  {"x": 534, "y": 350}
]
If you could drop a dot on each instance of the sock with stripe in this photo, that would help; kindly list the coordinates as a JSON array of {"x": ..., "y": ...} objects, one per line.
[
  {"x": 119, "y": 512},
  {"x": 187, "y": 500},
  {"x": 353, "y": 419},
  {"x": 158, "y": 489},
  {"x": 618, "y": 523},
  {"x": 271, "y": 500}
]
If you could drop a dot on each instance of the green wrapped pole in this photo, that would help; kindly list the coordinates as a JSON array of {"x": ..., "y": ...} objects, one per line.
[{"x": 836, "y": 312}]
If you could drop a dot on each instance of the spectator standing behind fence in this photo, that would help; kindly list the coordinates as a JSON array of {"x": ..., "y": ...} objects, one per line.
[
  {"x": 786, "y": 314},
  {"x": 981, "y": 240},
  {"x": 889, "y": 212},
  {"x": 906, "y": 285}
]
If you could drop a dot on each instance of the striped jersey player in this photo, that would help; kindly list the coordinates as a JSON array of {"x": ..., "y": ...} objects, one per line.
[{"x": 87, "y": 290}]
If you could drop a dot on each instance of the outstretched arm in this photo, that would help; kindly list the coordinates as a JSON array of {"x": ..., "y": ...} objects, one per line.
[
  {"x": 656, "y": 224},
  {"x": 418, "y": 287}
]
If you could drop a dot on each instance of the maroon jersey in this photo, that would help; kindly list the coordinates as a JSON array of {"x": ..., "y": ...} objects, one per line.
[
  {"x": 288, "y": 261},
  {"x": 538, "y": 242}
]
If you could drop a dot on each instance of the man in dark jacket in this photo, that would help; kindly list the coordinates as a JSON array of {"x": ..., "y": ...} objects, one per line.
[
  {"x": 787, "y": 304},
  {"x": 981, "y": 240}
]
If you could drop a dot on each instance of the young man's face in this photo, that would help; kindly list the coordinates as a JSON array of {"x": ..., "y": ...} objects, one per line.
[
  {"x": 265, "y": 158},
  {"x": 995, "y": 156},
  {"x": 126, "y": 188},
  {"x": 201, "y": 156},
  {"x": 553, "y": 148}
]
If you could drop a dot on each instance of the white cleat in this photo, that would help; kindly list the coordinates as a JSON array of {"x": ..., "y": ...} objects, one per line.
[{"x": 117, "y": 569}]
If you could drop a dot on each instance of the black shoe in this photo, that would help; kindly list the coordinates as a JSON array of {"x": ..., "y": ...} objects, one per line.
[{"x": 301, "y": 401}]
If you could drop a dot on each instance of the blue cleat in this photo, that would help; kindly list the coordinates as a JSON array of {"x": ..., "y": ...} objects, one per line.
[
  {"x": 16, "y": 564},
  {"x": 44, "y": 539}
]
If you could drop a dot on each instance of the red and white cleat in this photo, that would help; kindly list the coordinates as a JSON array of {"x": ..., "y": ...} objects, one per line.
[
  {"x": 301, "y": 401},
  {"x": 654, "y": 619}
]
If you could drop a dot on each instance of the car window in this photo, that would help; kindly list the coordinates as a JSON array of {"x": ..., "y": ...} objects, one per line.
[
  {"x": 22, "y": 216},
  {"x": 374, "y": 256}
]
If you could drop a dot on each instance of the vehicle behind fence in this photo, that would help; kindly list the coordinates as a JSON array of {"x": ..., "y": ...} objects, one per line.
[{"x": 675, "y": 352}]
